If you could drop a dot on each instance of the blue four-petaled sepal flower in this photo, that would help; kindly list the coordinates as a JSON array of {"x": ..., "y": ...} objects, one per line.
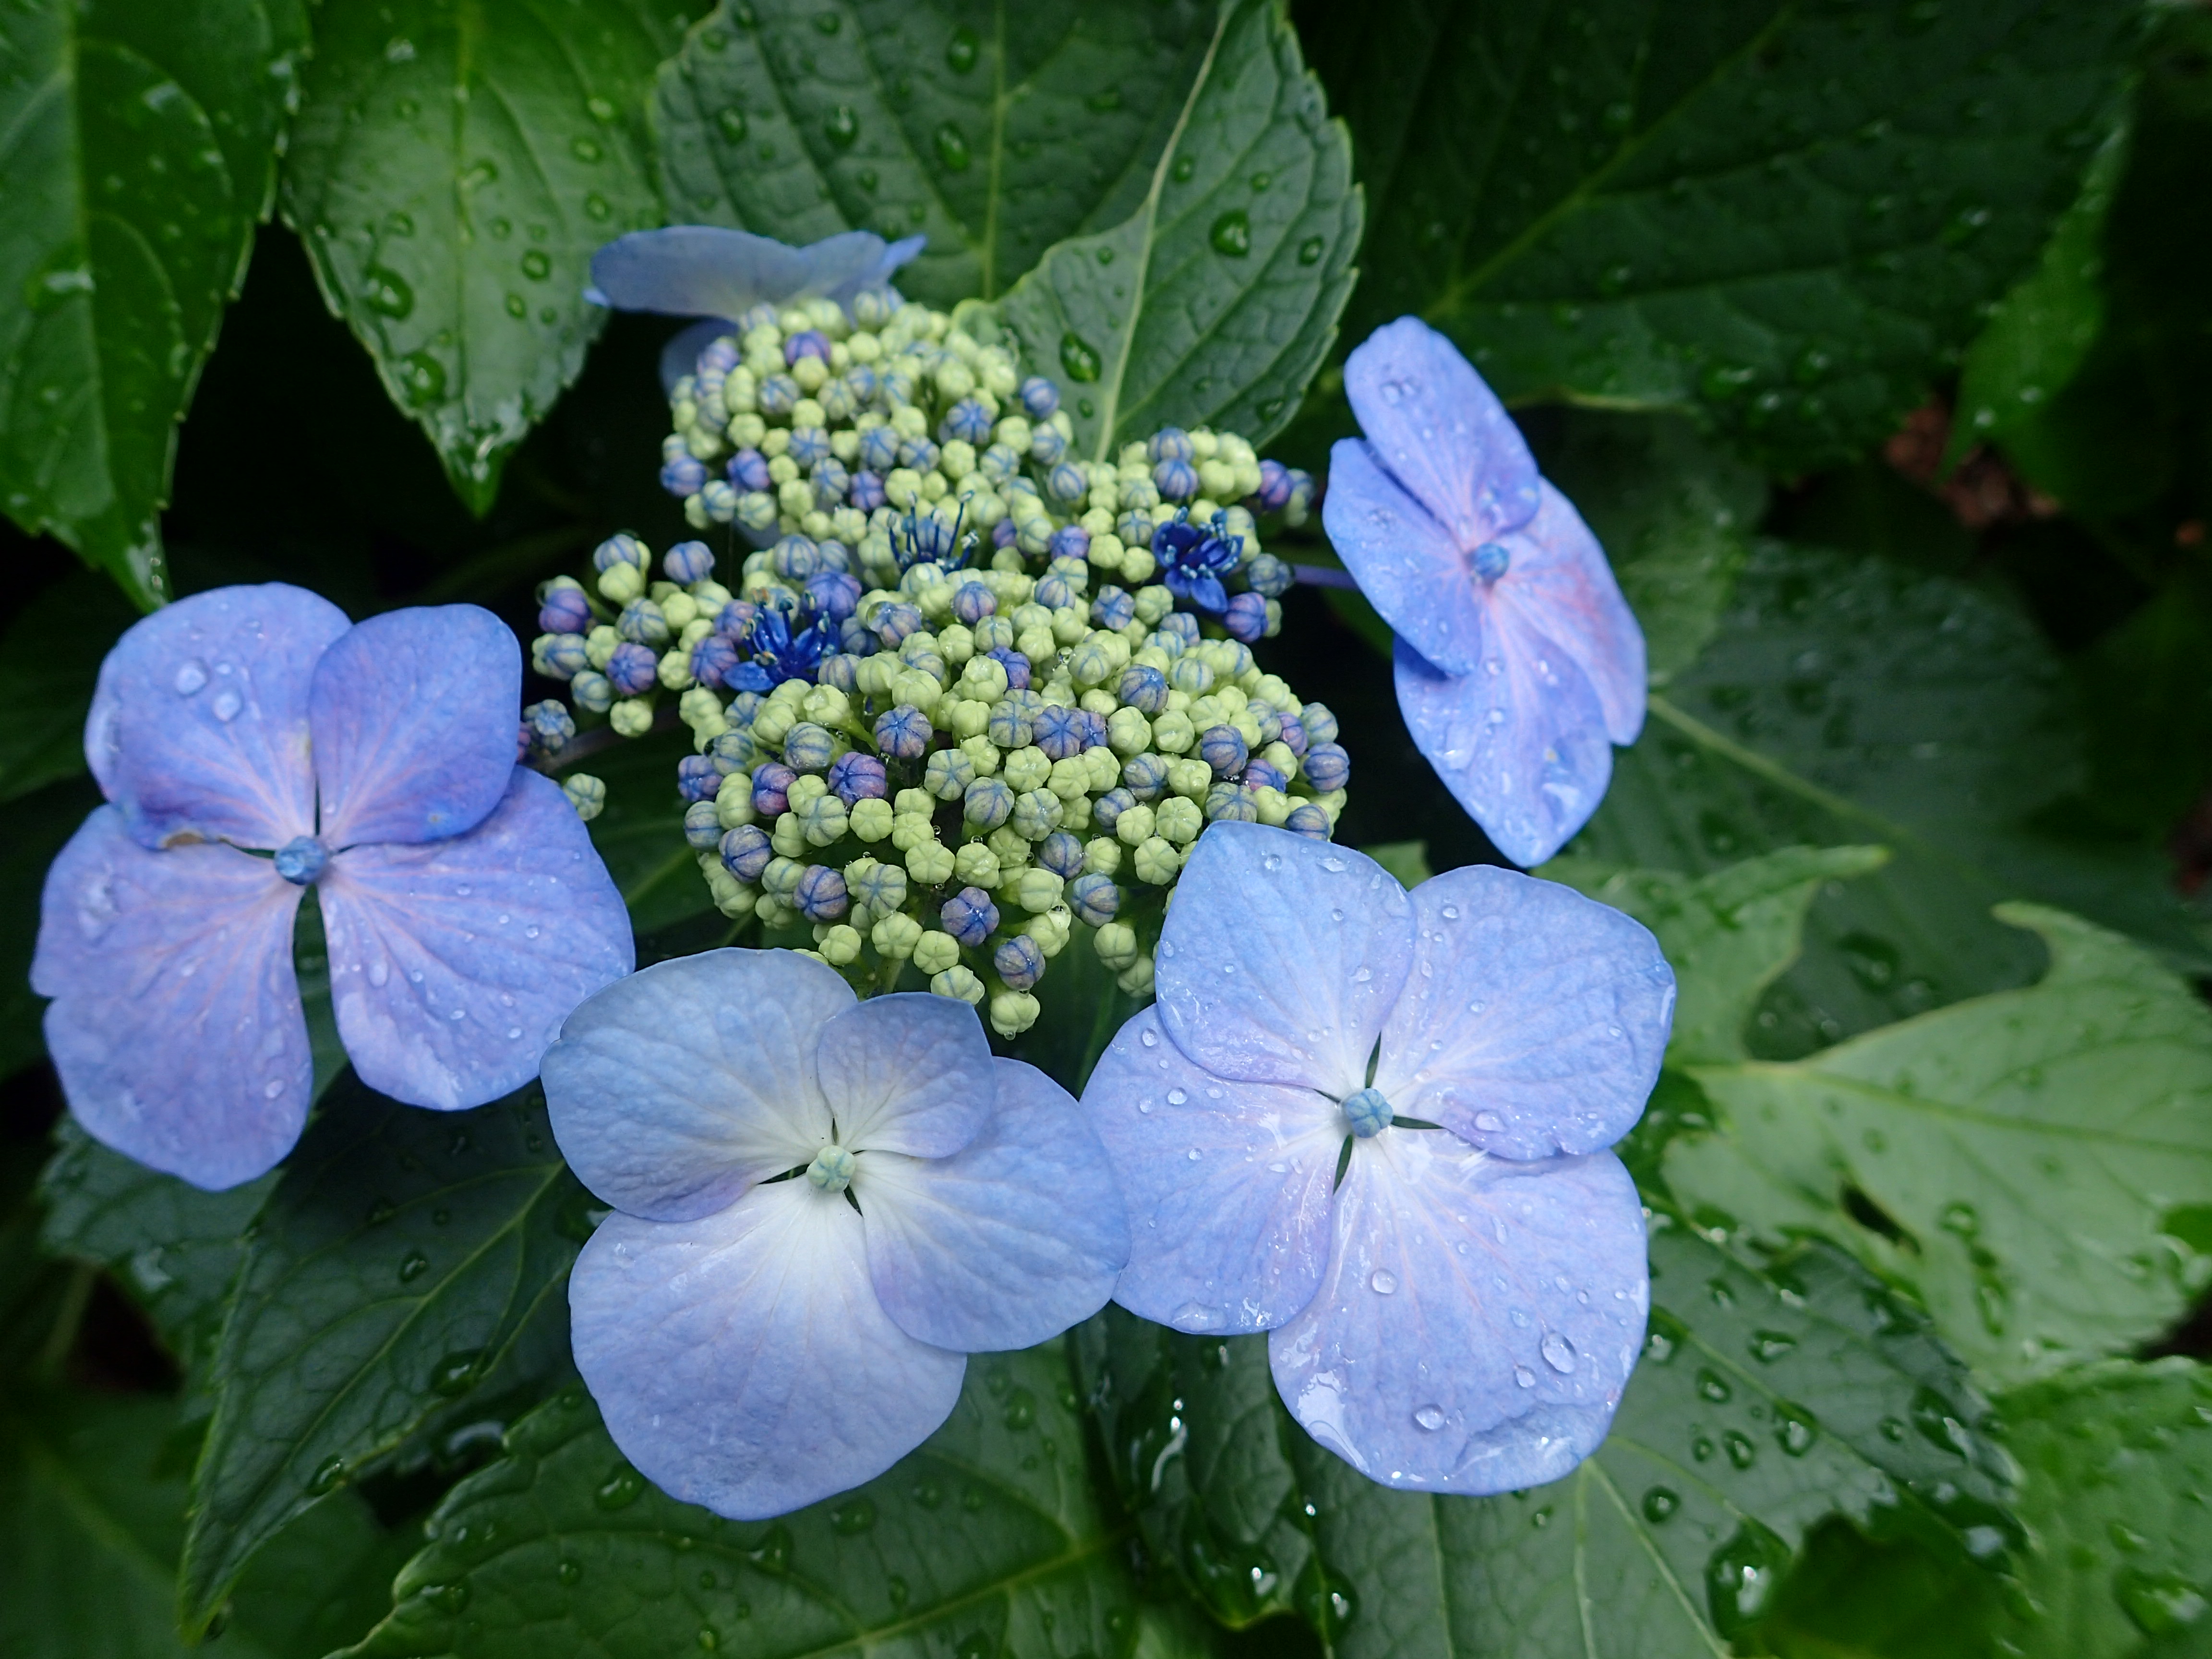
[
  {"x": 824, "y": 1205},
  {"x": 1519, "y": 664},
  {"x": 466, "y": 909},
  {"x": 1460, "y": 1314},
  {"x": 1193, "y": 559}
]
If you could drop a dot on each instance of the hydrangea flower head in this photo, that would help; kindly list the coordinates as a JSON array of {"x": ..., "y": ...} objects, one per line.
[
  {"x": 824, "y": 1206},
  {"x": 1519, "y": 664},
  {"x": 466, "y": 909},
  {"x": 1374, "y": 1124}
]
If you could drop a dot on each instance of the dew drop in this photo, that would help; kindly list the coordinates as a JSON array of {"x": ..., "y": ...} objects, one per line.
[
  {"x": 416, "y": 1265},
  {"x": 1489, "y": 1123},
  {"x": 1078, "y": 357},
  {"x": 226, "y": 705},
  {"x": 385, "y": 292},
  {"x": 1430, "y": 1418},
  {"x": 191, "y": 677},
  {"x": 1311, "y": 249},
  {"x": 1178, "y": 1096},
  {"x": 1524, "y": 1377},
  {"x": 1558, "y": 1353},
  {"x": 1150, "y": 1039},
  {"x": 1382, "y": 1282},
  {"x": 952, "y": 150},
  {"x": 1232, "y": 233}
]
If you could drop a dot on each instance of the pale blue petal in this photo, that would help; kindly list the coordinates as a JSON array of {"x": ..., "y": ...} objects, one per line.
[
  {"x": 453, "y": 963},
  {"x": 1520, "y": 742},
  {"x": 742, "y": 1360},
  {"x": 705, "y": 270},
  {"x": 414, "y": 715},
  {"x": 1535, "y": 1020},
  {"x": 199, "y": 725},
  {"x": 1406, "y": 564},
  {"x": 1479, "y": 1319},
  {"x": 680, "y": 356},
  {"x": 909, "y": 1072},
  {"x": 176, "y": 1025},
  {"x": 1560, "y": 587},
  {"x": 1281, "y": 956},
  {"x": 878, "y": 274},
  {"x": 1441, "y": 431},
  {"x": 1227, "y": 1185},
  {"x": 675, "y": 1090},
  {"x": 1007, "y": 1243}
]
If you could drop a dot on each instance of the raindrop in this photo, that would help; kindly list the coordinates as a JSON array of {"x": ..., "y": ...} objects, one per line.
[
  {"x": 1558, "y": 1353},
  {"x": 1430, "y": 1418},
  {"x": 1712, "y": 1389},
  {"x": 537, "y": 266},
  {"x": 457, "y": 1372},
  {"x": 1311, "y": 249},
  {"x": 952, "y": 151},
  {"x": 379, "y": 971},
  {"x": 1524, "y": 1377},
  {"x": 1660, "y": 1505},
  {"x": 1382, "y": 1281},
  {"x": 732, "y": 124},
  {"x": 570, "y": 1573},
  {"x": 2158, "y": 1602},
  {"x": 1150, "y": 1039},
  {"x": 852, "y": 1517},
  {"x": 1489, "y": 1123},
  {"x": 960, "y": 51},
  {"x": 416, "y": 1265},
  {"x": 1078, "y": 357},
  {"x": 1771, "y": 1345},
  {"x": 327, "y": 1474},
  {"x": 1178, "y": 1096},
  {"x": 841, "y": 126},
  {"x": 1232, "y": 233},
  {"x": 623, "y": 1486},
  {"x": 585, "y": 150},
  {"x": 191, "y": 677},
  {"x": 387, "y": 292},
  {"x": 1741, "y": 1577},
  {"x": 226, "y": 705},
  {"x": 422, "y": 378},
  {"x": 1183, "y": 167},
  {"x": 1741, "y": 1451}
]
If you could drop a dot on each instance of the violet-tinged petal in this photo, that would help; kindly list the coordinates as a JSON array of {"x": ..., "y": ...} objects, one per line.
[
  {"x": 1441, "y": 431},
  {"x": 176, "y": 1025},
  {"x": 1479, "y": 1319},
  {"x": 879, "y": 272},
  {"x": 1227, "y": 1185},
  {"x": 1406, "y": 564},
  {"x": 1520, "y": 742},
  {"x": 199, "y": 727},
  {"x": 1534, "y": 1020},
  {"x": 742, "y": 1359},
  {"x": 453, "y": 963},
  {"x": 1281, "y": 956},
  {"x": 1560, "y": 586},
  {"x": 675, "y": 1090},
  {"x": 909, "y": 1072},
  {"x": 705, "y": 270},
  {"x": 680, "y": 356},
  {"x": 413, "y": 715},
  {"x": 1008, "y": 1241}
]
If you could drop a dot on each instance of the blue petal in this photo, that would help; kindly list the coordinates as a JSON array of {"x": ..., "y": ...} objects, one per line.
[
  {"x": 1227, "y": 1185},
  {"x": 1520, "y": 742},
  {"x": 175, "y": 1024},
  {"x": 414, "y": 717},
  {"x": 675, "y": 1090},
  {"x": 878, "y": 275},
  {"x": 1441, "y": 431},
  {"x": 705, "y": 270},
  {"x": 1535, "y": 1020},
  {"x": 910, "y": 1072},
  {"x": 1560, "y": 587},
  {"x": 1007, "y": 1243},
  {"x": 742, "y": 1359},
  {"x": 1406, "y": 564},
  {"x": 1479, "y": 1320},
  {"x": 1281, "y": 956},
  {"x": 199, "y": 725},
  {"x": 453, "y": 963},
  {"x": 680, "y": 356}
]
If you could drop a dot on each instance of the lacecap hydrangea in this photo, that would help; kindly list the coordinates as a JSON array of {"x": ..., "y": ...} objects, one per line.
[{"x": 964, "y": 693}]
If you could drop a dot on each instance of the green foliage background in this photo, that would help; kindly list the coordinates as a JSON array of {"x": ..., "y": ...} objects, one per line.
[{"x": 1872, "y": 336}]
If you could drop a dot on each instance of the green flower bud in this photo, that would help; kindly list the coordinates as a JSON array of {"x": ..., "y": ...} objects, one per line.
[
  {"x": 733, "y": 801},
  {"x": 1136, "y": 980},
  {"x": 975, "y": 865},
  {"x": 929, "y": 863},
  {"x": 1136, "y": 826},
  {"x": 1101, "y": 768},
  {"x": 1050, "y": 929},
  {"x": 585, "y": 792},
  {"x": 1026, "y": 768},
  {"x": 912, "y": 829},
  {"x": 781, "y": 880},
  {"x": 936, "y": 951},
  {"x": 1102, "y": 856},
  {"x": 805, "y": 788},
  {"x": 839, "y": 945},
  {"x": 1090, "y": 662},
  {"x": 1173, "y": 733},
  {"x": 870, "y": 819},
  {"x": 1070, "y": 778},
  {"x": 788, "y": 835},
  {"x": 632, "y": 717},
  {"x": 971, "y": 718},
  {"x": 619, "y": 584},
  {"x": 1130, "y": 732},
  {"x": 896, "y": 936},
  {"x": 1156, "y": 860},
  {"x": 1116, "y": 944},
  {"x": 773, "y": 724},
  {"x": 821, "y": 820},
  {"x": 1012, "y": 850},
  {"x": 1180, "y": 819},
  {"x": 984, "y": 678},
  {"x": 958, "y": 982},
  {"x": 984, "y": 755},
  {"x": 1037, "y": 890},
  {"x": 1189, "y": 778},
  {"x": 1014, "y": 1013},
  {"x": 1037, "y": 814},
  {"x": 1271, "y": 805}
]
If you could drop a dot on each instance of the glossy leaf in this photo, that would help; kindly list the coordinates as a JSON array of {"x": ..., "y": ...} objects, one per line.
[
  {"x": 2118, "y": 1490},
  {"x": 140, "y": 153},
  {"x": 1217, "y": 299},
  {"x": 1728, "y": 936},
  {"x": 1783, "y": 217},
  {"x": 994, "y": 130},
  {"x": 1764, "y": 1401},
  {"x": 409, "y": 1272},
  {"x": 2020, "y": 1160},
  {"x": 1854, "y": 702},
  {"x": 988, "y": 1540},
  {"x": 451, "y": 171}
]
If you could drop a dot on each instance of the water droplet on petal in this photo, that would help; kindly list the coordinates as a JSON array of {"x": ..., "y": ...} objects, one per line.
[
  {"x": 1383, "y": 1281},
  {"x": 226, "y": 705},
  {"x": 1176, "y": 1097},
  {"x": 1558, "y": 1353},
  {"x": 1430, "y": 1418},
  {"x": 1524, "y": 1377},
  {"x": 191, "y": 677}
]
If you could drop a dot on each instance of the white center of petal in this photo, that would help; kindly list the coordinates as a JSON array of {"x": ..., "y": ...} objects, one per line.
[{"x": 833, "y": 1168}]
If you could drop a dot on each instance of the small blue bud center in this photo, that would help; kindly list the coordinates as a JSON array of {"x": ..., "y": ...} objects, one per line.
[
  {"x": 1491, "y": 561},
  {"x": 833, "y": 1168},
  {"x": 301, "y": 860},
  {"x": 1367, "y": 1113}
]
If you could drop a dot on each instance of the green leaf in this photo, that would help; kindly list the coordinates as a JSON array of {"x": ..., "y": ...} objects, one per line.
[
  {"x": 141, "y": 145},
  {"x": 1764, "y": 1401},
  {"x": 1781, "y": 216},
  {"x": 2016, "y": 1160},
  {"x": 988, "y": 1540},
  {"x": 1728, "y": 936},
  {"x": 1673, "y": 513},
  {"x": 994, "y": 130},
  {"x": 2118, "y": 1465},
  {"x": 1855, "y": 701},
  {"x": 92, "y": 1495},
  {"x": 1408, "y": 861},
  {"x": 173, "y": 1247},
  {"x": 50, "y": 660},
  {"x": 1850, "y": 1596},
  {"x": 2043, "y": 330},
  {"x": 451, "y": 171},
  {"x": 409, "y": 1272},
  {"x": 1214, "y": 303}
]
